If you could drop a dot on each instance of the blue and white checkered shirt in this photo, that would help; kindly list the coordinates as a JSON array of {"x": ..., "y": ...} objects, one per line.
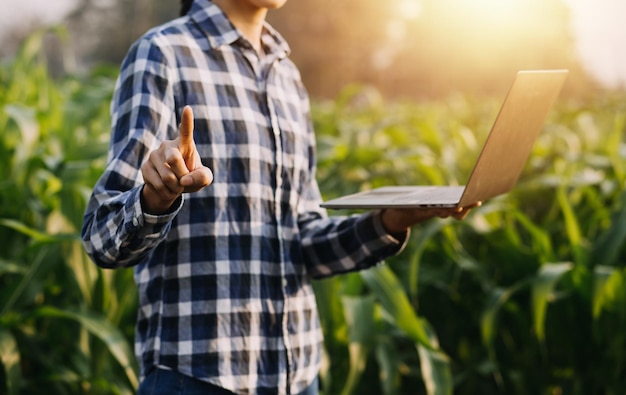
[{"x": 224, "y": 280}]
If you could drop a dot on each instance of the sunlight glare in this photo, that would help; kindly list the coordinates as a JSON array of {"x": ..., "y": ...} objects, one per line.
[
  {"x": 409, "y": 9},
  {"x": 491, "y": 9},
  {"x": 496, "y": 20},
  {"x": 396, "y": 31}
]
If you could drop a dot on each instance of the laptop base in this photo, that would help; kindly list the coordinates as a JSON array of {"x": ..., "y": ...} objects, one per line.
[{"x": 400, "y": 197}]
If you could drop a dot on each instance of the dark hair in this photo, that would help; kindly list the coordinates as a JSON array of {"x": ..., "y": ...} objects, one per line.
[{"x": 185, "y": 5}]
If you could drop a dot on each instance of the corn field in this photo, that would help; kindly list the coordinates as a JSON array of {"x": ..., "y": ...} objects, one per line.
[{"x": 525, "y": 296}]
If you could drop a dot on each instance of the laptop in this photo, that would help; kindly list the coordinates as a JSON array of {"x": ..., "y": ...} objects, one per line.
[{"x": 502, "y": 158}]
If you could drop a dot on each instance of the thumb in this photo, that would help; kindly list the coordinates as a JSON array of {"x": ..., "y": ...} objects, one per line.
[{"x": 186, "y": 145}]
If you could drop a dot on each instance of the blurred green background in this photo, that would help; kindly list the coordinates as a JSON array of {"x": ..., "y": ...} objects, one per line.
[{"x": 526, "y": 296}]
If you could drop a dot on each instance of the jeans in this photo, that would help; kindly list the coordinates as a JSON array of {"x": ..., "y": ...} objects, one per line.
[{"x": 167, "y": 382}]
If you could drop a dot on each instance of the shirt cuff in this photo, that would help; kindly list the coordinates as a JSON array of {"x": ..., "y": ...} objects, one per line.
[
  {"x": 400, "y": 239},
  {"x": 149, "y": 225},
  {"x": 380, "y": 242}
]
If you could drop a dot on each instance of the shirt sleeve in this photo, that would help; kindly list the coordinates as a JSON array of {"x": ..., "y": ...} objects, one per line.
[
  {"x": 335, "y": 245},
  {"x": 340, "y": 244},
  {"x": 116, "y": 232}
]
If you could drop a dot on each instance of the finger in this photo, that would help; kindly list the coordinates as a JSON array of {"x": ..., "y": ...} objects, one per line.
[
  {"x": 466, "y": 210},
  {"x": 462, "y": 214},
  {"x": 197, "y": 179},
  {"x": 477, "y": 204},
  {"x": 445, "y": 213},
  {"x": 185, "y": 130},
  {"x": 169, "y": 165},
  {"x": 174, "y": 162},
  {"x": 164, "y": 188},
  {"x": 186, "y": 144}
]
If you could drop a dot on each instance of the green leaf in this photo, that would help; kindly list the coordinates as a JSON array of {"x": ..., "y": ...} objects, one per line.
[
  {"x": 601, "y": 276},
  {"x": 35, "y": 265},
  {"x": 435, "y": 366},
  {"x": 434, "y": 363},
  {"x": 488, "y": 325},
  {"x": 335, "y": 331},
  {"x": 424, "y": 236},
  {"x": 606, "y": 250},
  {"x": 98, "y": 326},
  {"x": 542, "y": 287},
  {"x": 11, "y": 268},
  {"x": 37, "y": 236},
  {"x": 10, "y": 358},
  {"x": 609, "y": 291},
  {"x": 383, "y": 282},
  {"x": 540, "y": 239},
  {"x": 330, "y": 307},
  {"x": 572, "y": 228},
  {"x": 389, "y": 363},
  {"x": 436, "y": 371},
  {"x": 359, "y": 313},
  {"x": 25, "y": 118}
]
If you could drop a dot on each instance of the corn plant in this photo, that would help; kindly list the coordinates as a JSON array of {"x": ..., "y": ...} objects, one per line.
[{"x": 64, "y": 325}]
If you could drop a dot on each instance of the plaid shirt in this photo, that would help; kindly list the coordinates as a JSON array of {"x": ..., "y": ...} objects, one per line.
[{"x": 224, "y": 280}]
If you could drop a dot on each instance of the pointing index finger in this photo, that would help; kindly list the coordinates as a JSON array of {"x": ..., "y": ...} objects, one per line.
[
  {"x": 185, "y": 130},
  {"x": 186, "y": 145}
]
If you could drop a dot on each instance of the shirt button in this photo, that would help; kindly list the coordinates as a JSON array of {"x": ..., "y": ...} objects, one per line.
[
  {"x": 135, "y": 221},
  {"x": 285, "y": 283}
]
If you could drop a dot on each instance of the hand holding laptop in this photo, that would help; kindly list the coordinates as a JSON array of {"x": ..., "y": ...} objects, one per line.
[{"x": 398, "y": 220}]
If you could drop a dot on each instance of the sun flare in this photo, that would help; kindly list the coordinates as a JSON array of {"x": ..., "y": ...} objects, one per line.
[
  {"x": 409, "y": 9},
  {"x": 491, "y": 9}
]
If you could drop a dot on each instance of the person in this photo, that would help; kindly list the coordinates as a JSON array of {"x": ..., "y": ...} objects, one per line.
[{"x": 210, "y": 194}]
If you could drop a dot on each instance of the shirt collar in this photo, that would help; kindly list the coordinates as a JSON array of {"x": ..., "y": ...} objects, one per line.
[{"x": 220, "y": 31}]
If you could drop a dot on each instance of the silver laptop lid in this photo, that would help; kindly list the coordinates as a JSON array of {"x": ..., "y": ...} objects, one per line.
[{"x": 520, "y": 120}]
